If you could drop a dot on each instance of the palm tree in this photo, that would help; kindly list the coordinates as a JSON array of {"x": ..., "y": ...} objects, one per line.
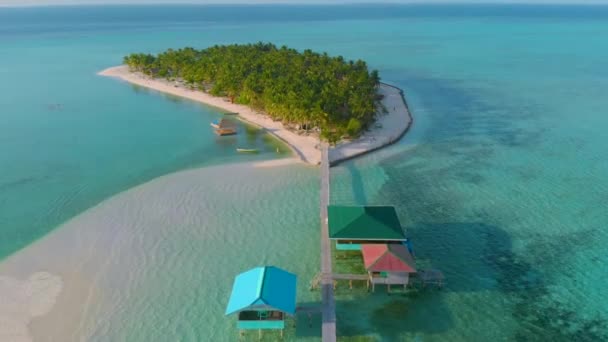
[{"x": 306, "y": 88}]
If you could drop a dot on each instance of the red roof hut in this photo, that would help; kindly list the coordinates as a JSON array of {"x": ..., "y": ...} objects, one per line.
[{"x": 388, "y": 263}]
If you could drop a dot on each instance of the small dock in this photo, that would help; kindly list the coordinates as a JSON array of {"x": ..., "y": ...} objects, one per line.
[
  {"x": 432, "y": 277},
  {"x": 327, "y": 280},
  {"x": 423, "y": 279},
  {"x": 314, "y": 283},
  {"x": 327, "y": 289}
]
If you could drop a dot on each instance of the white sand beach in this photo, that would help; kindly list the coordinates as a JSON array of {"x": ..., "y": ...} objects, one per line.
[
  {"x": 389, "y": 128},
  {"x": 275, "y": 162}
]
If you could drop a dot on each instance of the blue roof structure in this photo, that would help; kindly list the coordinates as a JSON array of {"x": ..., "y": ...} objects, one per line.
[{"x": 263, "y": 288}]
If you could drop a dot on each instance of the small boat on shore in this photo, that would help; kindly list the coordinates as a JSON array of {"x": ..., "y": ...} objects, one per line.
[
  {"x": 224, "y": 127},
  {"x": 247, "y": 150}
]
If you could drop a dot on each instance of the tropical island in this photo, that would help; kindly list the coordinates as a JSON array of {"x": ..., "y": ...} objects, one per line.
[{"x": 300, "y": 97}]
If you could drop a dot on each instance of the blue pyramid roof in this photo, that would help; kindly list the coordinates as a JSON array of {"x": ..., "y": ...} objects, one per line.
[{"x": 263, "y": 288}]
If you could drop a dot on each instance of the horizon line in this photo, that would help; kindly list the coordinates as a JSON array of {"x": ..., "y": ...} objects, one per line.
[{"x": 310, "y": 3}]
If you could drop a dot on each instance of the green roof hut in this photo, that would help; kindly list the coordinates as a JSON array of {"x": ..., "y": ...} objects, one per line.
[
  {"x": 352, "y": 226},
  {"x": 263, "y": 297}
]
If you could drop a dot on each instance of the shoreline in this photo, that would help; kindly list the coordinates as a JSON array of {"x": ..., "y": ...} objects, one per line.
[{"x": 387, "y": 129}]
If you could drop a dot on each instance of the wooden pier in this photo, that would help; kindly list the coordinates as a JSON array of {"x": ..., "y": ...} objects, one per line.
[
  {"x": 431, "y": 277},
  {"x": 326, "y": 279},
  {"x": 314, "y": 283},
  {"x": 327, "y": 289}
]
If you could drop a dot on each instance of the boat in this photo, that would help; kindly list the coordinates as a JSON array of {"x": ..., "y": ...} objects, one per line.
[
  {"x": 224, "y": 127},
  {"x": 247, "y": 150}
]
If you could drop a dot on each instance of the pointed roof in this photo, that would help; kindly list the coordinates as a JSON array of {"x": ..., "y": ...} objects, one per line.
[
  {"x": 267, "y": 287},
  {"x": 393, "y": 257},
  {"x": 226, "y": 123},
  {"x": 364, "y": 223}
]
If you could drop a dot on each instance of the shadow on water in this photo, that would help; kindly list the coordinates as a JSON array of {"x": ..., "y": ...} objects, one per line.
[
  {"x": 456, "y": 249},
  {"x": 251, "y": 134},
  {"x": 380, "y": 314},
  {"x": 389, "y": 317},
  {"x": 476, "y": 255},
  {"x": 463, "y": 239},
  {"x": 479, "y": 257},
  {"x": 308, "y": 325},
  {"x": 357, "y": 184}
]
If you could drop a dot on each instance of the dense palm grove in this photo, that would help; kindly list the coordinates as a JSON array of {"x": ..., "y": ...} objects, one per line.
[{"x": 305, "y": 89}]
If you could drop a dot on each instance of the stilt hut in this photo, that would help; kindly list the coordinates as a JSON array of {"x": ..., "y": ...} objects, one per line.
[
  {"x": 224, "y": 127},
  {"x": 263, "y": 297},
  {"x": 389, "y": 264},
  {"x": 353, "y": 226}
]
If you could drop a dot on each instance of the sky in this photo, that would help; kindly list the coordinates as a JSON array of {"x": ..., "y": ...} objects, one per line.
[{"x": 91, "y": 2}]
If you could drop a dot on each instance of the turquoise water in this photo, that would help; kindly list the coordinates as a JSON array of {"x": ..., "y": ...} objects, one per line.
[
  {"x": 70, "y": 138},
  {"x": 501, "y": 183}
]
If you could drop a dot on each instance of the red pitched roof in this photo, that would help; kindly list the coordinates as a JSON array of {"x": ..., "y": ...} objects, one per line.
[{"x": 392, "y": 257}]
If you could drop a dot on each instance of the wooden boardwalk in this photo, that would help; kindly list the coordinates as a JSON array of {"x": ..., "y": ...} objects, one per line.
[
  {"x": 316, "y": 281},
  {"x": 327, "y": 288},
  {"x": 344, "y": 276}
]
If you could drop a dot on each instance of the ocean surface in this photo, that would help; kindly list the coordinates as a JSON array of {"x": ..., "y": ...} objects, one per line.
[{"x": 129, "y": 218}]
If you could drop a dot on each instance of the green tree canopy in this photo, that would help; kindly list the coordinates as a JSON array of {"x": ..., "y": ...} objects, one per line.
[{"x": 306, "y": 88}]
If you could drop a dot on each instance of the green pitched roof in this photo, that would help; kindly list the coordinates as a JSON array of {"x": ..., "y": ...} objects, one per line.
[{"x": 364, "y": 223}]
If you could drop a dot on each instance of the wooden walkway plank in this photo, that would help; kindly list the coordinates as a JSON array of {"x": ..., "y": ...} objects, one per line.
[
  {"x": 327, "y": 289},
  {"x": 338, "y": 276}
]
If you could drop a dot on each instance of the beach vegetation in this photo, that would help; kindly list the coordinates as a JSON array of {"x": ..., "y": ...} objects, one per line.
[{"x": 303, "y": 89}]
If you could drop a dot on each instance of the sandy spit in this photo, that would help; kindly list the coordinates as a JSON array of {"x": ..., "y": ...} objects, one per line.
[
  {"x": 139, "y": 250},
  {"x": 389, "y": 127}
]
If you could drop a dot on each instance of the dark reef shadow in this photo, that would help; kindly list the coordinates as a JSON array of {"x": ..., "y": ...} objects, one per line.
[
  {"x": 390, "y": 316},
  {"x": 357, "y": 184},
  {"x": 466, "y": 242}
]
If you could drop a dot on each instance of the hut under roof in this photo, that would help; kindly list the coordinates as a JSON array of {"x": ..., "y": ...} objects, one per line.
[
  {"x": 262, "y": 297},
  {"x": 389, "y": 264},
  {"x": 224, "y": 127},
  {"x": 352, "y": 226}
]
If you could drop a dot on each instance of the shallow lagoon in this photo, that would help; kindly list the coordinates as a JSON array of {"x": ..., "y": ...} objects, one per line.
[{"x": 500, "y": 183}]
